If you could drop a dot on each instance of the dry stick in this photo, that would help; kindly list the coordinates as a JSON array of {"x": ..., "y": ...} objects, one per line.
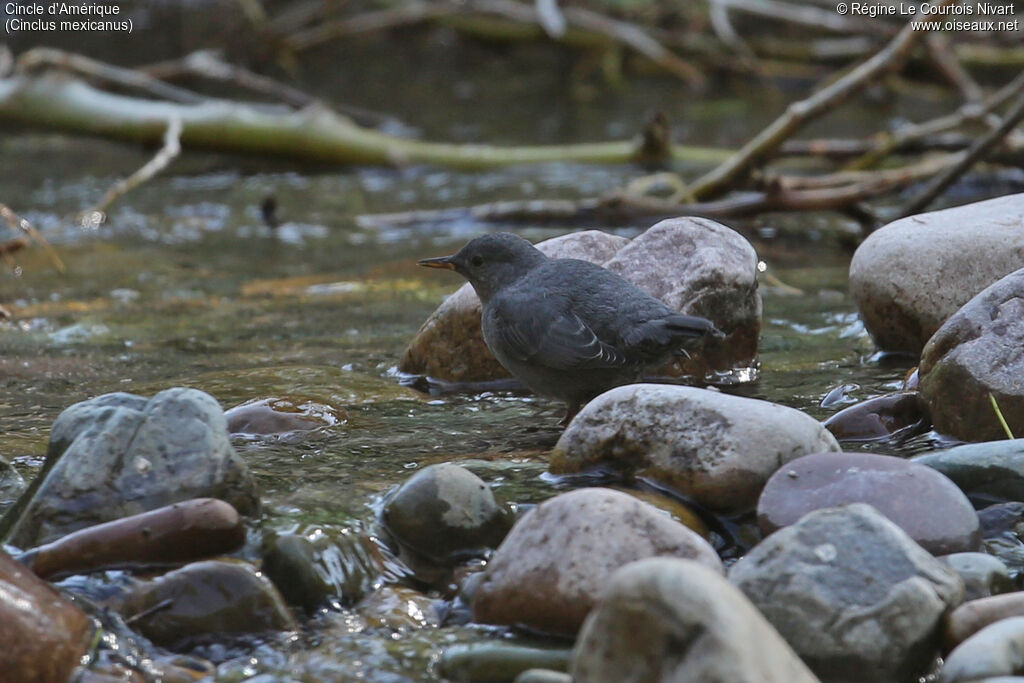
[
  {"x": 914, "y": 132},
  {"x": 973, "y": 155},
  {"x": 51, "y": 57},
  {"x": 941, "y": 52},
  {"x": 208, "y": 64},
  {"x": 810, "y": 16},
  {"x": 95, "y": 217},
  {"x": 18, "y": 223},
  {"x": 798, "y": 114},
  {"x": 370, "y": 22}
]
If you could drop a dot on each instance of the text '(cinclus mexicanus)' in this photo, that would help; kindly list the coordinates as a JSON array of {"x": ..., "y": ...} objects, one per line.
[{"x": 567, "y": 328}]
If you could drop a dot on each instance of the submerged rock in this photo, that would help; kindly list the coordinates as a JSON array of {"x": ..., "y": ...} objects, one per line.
[
  {"x": 852, "y": 593},
  {"x": 280, "y": 417},
  {"x": 909, "y": 276},
  {"x": 445, "y": 513},
  {"x": 907, "y": 493},
  {"x": 976, "y": 357},
  {"x": 12, "y": 485},
  {"x": 205, "y": 598},
  {"x": 549, "y": 571},
  {"x": 497, "y": 662},
  {"x": 716, "y": 448},
  {"x": 993, "y": 469},
  {"x": 884, "y": 417},
  {"x": 118, "y": 455},
  {"x": 665, "y": 619},
  {"x": 695, "y": 265},
  {"x": 44, "y": 635},
  {"x": 316, "y": 565},
  {"x": 399, "y": 607}
]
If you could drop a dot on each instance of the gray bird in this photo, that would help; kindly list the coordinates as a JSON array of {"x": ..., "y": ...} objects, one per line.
[{"x": 568, "y": 329}]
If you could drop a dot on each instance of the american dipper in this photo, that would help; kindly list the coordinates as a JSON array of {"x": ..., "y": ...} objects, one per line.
[{"x": 567, "y": 328}]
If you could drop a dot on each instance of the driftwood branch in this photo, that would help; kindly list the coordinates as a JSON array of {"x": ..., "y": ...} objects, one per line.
[
  {"x": 800, "y": 113},
  {"x": 976, "y": 153},
  {"x": 315, "y": 134}
]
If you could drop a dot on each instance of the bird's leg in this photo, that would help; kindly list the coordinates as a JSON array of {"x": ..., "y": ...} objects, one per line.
[{"x": 571, "y": 408}]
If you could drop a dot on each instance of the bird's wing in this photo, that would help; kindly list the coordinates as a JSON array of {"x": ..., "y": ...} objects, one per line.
[{"x": 562, "y": 341}]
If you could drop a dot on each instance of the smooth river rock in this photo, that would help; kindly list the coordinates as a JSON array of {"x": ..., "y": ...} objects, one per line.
[
  {"x": 119, "y": 455},
  {"x": 974, "y": 615},
  {"x": 695, "y": 265},
  {"x": 445, "y": 513},
  {"x": 44, "y": 635},
  {"x": 995, "y": 468},
  {"x": 852, "y": 593},
  {"x": 911, "y": 495},
  {"x": 976, "y": 357},
  {"x": 550, "y": 569},
  {"x": 898, "y": 415},
  {"x": 674, "y": 621},
  {"x": 909, "y": 276},
  {"x": 983, "y": 574},
  {"x": 996, "y": 650},
  {"x": 716, "y": 448}
]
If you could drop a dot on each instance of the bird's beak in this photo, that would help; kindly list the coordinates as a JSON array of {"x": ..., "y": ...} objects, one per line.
[{"x": 445, "y": 262}]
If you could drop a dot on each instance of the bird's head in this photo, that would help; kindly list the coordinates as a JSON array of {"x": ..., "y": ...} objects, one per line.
[{"x": 491, "y": 262}]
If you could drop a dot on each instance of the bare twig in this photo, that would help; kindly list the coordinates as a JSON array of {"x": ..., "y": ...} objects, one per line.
[
  {"x": 95, "y": 217},
  {"x": 976, "y": 153},
  {"x": 806, "y": 15},
  {"x": 18, "y": 223},
  {"x": 550, "y": 17},
  {"x": 370, "y": 22},
  {"x": 50, "y": 57},
  {"x": 941, "y": 52},
  {"x": 798, "y": 114}
]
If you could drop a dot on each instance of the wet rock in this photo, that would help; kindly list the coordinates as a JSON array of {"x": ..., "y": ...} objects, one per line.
[
  {"x": 996, "y": 650},
  {"x": 852, "y": 593},
  {"x": 983, "y": 575},
  {"x": 280, "y": 416},
  {"x": 665, "y": 619},
  {"x": 398, "y": 607},
  {"x": 118, "y": 455},
  {"x": 1002, "y": 528},
  {"x": 974, "y": 358},
  {"x": 700, "y": 267},
  {"x": 174, "y": 534},
  {"x": 550, "y": 569},
  {"x": 972, "y": 616},
  {"x": 12, "y": 485},
  {"x": 677, "y": 510},
  {"x": 883, "y": 417},
  {"x": 911, "y": 275},
  {"x": 204, "y": 598},
  {"x": 315, "y": 565},
  {"x": 993, "y": 469},
  {"x": 44, "y": 636},
  {"x": 907, "y": 493},
  {"x": 444, "y": 513},
  {"x": 450, "y": 344},
  {"x": 716, "y": 448},
  {"x": 497, "y": 662}
]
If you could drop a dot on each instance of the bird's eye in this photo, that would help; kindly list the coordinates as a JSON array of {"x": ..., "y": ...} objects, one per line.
[{"x": 477, "y": 261}]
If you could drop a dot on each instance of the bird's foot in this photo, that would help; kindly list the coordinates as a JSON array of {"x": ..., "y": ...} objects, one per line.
[{"x": 570, "y": 413}]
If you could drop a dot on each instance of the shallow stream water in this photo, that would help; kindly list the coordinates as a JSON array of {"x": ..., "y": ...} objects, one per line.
[{"x": 184, "y": 285}]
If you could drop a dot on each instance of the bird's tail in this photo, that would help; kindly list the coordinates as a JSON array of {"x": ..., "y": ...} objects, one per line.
[{"x": 693, "y": 326}]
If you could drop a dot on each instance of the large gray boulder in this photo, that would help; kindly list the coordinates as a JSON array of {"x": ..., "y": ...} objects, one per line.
[
  {"x": 695, "y": 265},
  {"x": 852, "y": 593},
  {"x": 716, "y": 448},
  {"x": 675, "y": 621},
  {"x": 909, "y": 276},
  {"x": 976, "y": 357},
  {"x": 552, "y": 566},
  {"x": 119, "y": 454}
]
